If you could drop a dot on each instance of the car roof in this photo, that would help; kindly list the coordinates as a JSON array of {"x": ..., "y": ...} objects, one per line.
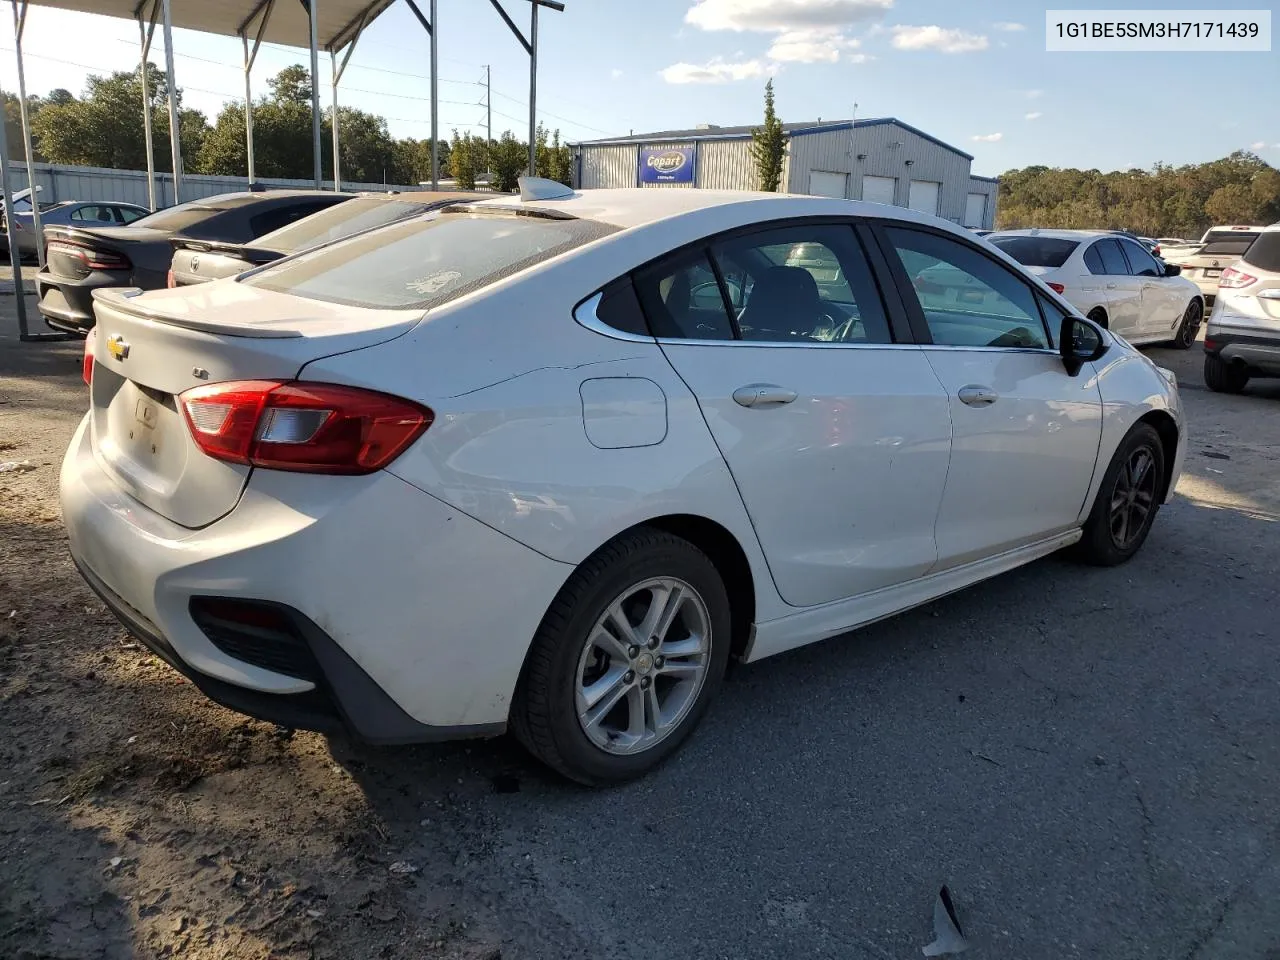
[
  {"x": 1057, "y": 234},
  {"x": 429, "y": 196},
  {"x": 229, "y": 201},
  {"x": 634, "y": 207}
]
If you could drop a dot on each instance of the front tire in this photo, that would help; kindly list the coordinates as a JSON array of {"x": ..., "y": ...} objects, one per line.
[
  {"x": 1190, "y": 326},
  {"x": 1127, "y": 500},
  {"x": 1221, "y": 376},
  {"x": 625, "y": 661}
]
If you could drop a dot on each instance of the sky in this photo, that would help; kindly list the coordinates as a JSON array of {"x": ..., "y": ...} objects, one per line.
[{"x": 973, "y": 73}]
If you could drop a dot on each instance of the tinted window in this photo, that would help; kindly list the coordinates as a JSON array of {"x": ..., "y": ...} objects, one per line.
[
  {"x": 128, "y": 214},
  {"x": 967, "y": 299},
  {"x": 1227, "y": 243},
  {"x": 347, "y": 218},
  {"x": 283, "y": 215},
  {"x": 1141, "y": 263},
  {"x": 1264, "y": 253},
  {"x": 619, "y": 308},
  {"x": 1053, "y": 317},
  {"x": 1036, "y": 251},
  {"x": 806, "y": 284},
  {"x": 1113, "y": 262},
  {"x": 181, "y": 217},
  {"x": 425, "y": 262},
  {"x": 681, "y": 298},
  {"x": 1093, "y": 260}
]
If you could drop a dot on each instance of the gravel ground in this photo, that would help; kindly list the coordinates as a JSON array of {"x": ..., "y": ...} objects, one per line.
[{"x": 1088, "y": 758}]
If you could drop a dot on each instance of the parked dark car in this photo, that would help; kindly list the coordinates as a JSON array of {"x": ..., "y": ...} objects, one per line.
[
  {"x": 81, "y": 260},
  {"x": 75, "y": 213},
  {"x": 197, "y": 261}
]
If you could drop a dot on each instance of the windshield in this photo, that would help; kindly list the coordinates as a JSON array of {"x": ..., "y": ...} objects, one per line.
[
  {"x": 1228, "y": 243},
  {"x": 426, "y": 261},
  {"x": 1036, "y": 251},
  {"x": 336, "y": 222}
]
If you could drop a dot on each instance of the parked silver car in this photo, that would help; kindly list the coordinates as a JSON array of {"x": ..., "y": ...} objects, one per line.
[{"x": 72, "y": 213}]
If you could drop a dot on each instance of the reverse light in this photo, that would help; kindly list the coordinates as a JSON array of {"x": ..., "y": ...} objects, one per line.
[
  {"x": 1232, "y": 278},
  {"x": 301, "y": 426},
  {"x": 91, "y": 257},
  {"x": 86, "y": 362},
  {"x": 1056, "y": 287}
]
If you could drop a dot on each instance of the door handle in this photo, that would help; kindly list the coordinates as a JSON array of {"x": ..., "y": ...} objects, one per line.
[
  {"x": 978, "y": 396},
  {"x": 1111, "y": 286},
  {"x": 762, "y": 395}
]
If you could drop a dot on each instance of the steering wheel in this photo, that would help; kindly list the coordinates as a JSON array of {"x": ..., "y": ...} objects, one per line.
[{"x": 1017, "y": 337}]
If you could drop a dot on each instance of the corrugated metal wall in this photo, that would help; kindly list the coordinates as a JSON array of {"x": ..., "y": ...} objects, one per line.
[
  {"x": 130, "y": 186},
  {"x": 992, "y": 191},
  {"x": 608, "y": 166},
  {"x": 888, "y": 147},
  {"x": 726, "y": 165}
]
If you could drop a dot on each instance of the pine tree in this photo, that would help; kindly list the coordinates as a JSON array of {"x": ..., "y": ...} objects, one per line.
[{"x": 768, "y": 145}]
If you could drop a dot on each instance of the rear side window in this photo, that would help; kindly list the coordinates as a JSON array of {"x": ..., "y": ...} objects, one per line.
[
  {"x": 1093, "y": 260},
  {"x": 619, "y": 308},
  {"x": 1227, "y": 243},
  {"x": 1113, "y": 262},
  {"x": 425, "y": 262},
  {"x": 271, "y": 220},
  {"x": 682, "y": 298},
  {"x": 1037, "y": 251},
  {"x": 1141, "y": 263},
  {"x": 1264, "y": 253}
]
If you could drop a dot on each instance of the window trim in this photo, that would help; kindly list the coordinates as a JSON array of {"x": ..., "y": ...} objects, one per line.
[
  {"x": 919, "y": 325},
  {"x": 585, "y": 314},
  {"x": 1123, "y": 243}
]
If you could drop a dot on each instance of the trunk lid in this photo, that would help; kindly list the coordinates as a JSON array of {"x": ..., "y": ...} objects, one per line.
[
  {"x": 151, "y": 348},
  {"x": 196, "y": 261},
  {"x": 69, "y": 250}
]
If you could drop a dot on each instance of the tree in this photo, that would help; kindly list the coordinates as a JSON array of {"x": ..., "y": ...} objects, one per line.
[
  {"x": 291, "y": 85},
  {"x": 466, "y": 157},
  {"x": 103, "y": 128},
  {"x": 509, "y": 159},
  {"x": 554, "y": 159},
  {"x": 768, "y": 145}
]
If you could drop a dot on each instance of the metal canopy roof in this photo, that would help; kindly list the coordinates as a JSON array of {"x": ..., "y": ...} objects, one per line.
[{"x": 288, "y": 23}]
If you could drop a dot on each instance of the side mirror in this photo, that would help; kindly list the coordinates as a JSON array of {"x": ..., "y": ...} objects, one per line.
[
  {"x": 1172, "y": 270},
  {"x": 1079, "y": 342}
]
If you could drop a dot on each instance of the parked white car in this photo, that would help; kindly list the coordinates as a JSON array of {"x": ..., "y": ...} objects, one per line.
[
  {"x": 1242, "y": 340},
  {"x": 1112, "y": 280},
  {"x": 507, "y": 465},
  {"x": 1217, "y": 250}
]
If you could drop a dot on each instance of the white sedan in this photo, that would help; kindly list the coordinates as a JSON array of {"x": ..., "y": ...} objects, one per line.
[
  {"x": 516, "y": 465},
  {"x": 1113, "y": 280}
]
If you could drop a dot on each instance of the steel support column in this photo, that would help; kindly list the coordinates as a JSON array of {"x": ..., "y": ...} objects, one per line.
[
  {"x": 19, "y": 24},
  {"x": 530, "y": 47},
  {"x": 263, "y": 8},
  {"x": 351, "y": 37},
  {"x": 145, "y": 32},
  {"x": 314, "y": 23},
  {"x": 430, "y": 27},
  {"x": 175, "y": 133}
]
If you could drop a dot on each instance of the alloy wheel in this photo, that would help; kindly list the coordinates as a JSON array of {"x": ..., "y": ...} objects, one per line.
[
  {"x": 1190, "y": 324},
  {"x": 643, "y": 665},
  {"x": 1133, "y": 497}
]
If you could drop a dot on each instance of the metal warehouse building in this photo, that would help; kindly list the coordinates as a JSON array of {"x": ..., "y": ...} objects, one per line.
[{"x": 882, "y": 160}]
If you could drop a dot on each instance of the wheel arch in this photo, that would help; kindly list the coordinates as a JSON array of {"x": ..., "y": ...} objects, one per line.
[
  {"x": 1167, "y": 428},
  {"x": 1099, "y": 315}
]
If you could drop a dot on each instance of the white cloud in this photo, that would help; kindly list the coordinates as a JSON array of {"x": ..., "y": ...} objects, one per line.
[
  {"x": 1033, "y": 115},
  {"x": 987, "y": 137},
  {"x": 1005, "y": 26},
  {"x": 782, "y": 16},
  {"x": 615, "y": 73},
  {"x": 1031, "y": 95},
  {"x": 715, "y": 70},
  {"x": 944, "y": 39},
  {"x": 1255, "y": 147},
  {"x": 816, "y": 45}
]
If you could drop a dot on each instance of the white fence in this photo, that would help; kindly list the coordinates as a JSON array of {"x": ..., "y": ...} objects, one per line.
[{"x": 130, "y": 186}]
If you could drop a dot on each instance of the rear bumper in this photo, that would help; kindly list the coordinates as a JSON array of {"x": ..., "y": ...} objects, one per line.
[
  {"x": 415, "y": 618},
  {"x": 67, "y": 303},
  {"x": 1256, "y": 349}
]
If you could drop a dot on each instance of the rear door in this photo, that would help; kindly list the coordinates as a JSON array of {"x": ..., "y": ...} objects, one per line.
[
  {"x": 1024, "y": 434},
  {"x": 1123, "y": 290},
  {"x": 836, "y": 435}
]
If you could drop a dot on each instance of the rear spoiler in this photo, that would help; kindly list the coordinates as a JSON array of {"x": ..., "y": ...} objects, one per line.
[
  {"x": 253, "y": 255},
  {"x": 122, "y": 299}
]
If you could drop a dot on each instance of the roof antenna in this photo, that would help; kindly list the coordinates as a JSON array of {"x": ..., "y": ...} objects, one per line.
[{"x": 540, "y": 188}]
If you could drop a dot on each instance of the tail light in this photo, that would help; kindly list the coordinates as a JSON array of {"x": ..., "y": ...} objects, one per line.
[
  {"x": 86, "y": 363},
  {"x": 1056, "y": 287},
  {"x": 91, "y": 257},
  {"x": 1232, "y": 278},
  {"x": 1210, "y": 345},
  {"x": 169, "y": 281},
  {"x": 300, "y": 426}
]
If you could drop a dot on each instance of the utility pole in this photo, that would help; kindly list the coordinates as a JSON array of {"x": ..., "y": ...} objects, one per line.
[{"x": 488, "y": 132}]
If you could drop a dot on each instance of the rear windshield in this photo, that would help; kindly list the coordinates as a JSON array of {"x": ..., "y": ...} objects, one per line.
[
  {"x": 1036, "y": 251},
  {"x": 336, "y": 222},
  {"x": 1265, "y": 252},
  {"x": 1227, "y": 243},
  {"x": 178, "y": 218},
  {"x": 426, "y": 261}
]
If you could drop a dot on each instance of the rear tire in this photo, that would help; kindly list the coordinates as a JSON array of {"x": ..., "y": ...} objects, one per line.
[
  {"x": 1127, "y": 500},
  {"x": 583, "y": 658},
  {"x": 1098, "y": 316},
  {"x": 1222, "y": 376},
  {"x": 1190, "y": 326}
]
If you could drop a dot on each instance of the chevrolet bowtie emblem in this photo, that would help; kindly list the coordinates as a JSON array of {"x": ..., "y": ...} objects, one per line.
[{"x": 117, "y": 346}]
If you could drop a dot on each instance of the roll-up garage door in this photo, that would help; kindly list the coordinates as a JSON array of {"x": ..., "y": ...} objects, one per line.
[
  {"x": 824, "y": 184},
  {"x": 975, "y": 210},
  {"x": 923, "y": 196},
  {"x": 879, "y": 189}
]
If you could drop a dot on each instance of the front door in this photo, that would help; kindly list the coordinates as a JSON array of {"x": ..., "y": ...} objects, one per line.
[
  {"x": 837, "y": 438},
  {"x": 1124, "y": 290},
  {"x": 1024, "y": 434},
  {"x": 1160, "y": 313}
]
